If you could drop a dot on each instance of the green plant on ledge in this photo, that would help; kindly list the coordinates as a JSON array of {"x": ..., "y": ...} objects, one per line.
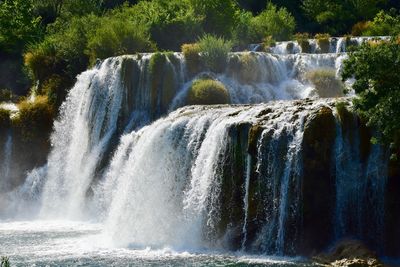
[
  {"x": 302, "y": 40},
  {"x": 323, "y": 40},
  {"x": 214, "y": 52},
  {"x": 5, "y": 262}
]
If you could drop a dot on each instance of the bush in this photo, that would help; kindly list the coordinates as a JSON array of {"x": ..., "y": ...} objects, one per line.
[
  {"x": 383, "y": 24},
  {"x": 304, "y": 43},
  {"x": 325, "y": 82},
  {"x": 34, "y": 118},
  {"x": 377, "y": 84},
  {"x": 244, "y": 32},
  {"x": 207, "y": 92},
  {"x": 219, "y": 17},
  {"x": 191, "y": 52},
  {"x": 116, "y": 37},
  {"x": 4, "y": 118},
  {"x": 268, "y": 42},
  {"x": 323, "y": 41},
  {"x": 5, "y": 262},
  {"x": 278, "y": 23},
  {"x": 360, "y": 27},
  {"x": 214, "y": 52}
]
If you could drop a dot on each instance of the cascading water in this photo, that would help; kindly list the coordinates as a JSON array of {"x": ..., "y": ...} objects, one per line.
[
  {"x": 5, "y": 165},
  {"x": 218, "y": 178}
]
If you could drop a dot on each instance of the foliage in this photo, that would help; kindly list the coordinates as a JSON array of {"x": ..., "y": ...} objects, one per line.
[
  {"x": 244, "y": 32},
  {"x": 323, "y": 40},
  {"x": 377, "y": 84},
  {"x": 302, "y": 40},
  {"x": 207, "y": 92},
  {"x": 325, "y": 82},
  {"x": 34, "y": 118},
  {"x": 19, "y": 26},
  {"x": 191, "y": 52},
  {"x": 268, "y": 42},
  {"x": 384, "y": 23},
  {"x": 335, "y": 16},
  {"x": 116, "y": 37},
  {"x": 248, "y": 68},
  {"x": 214, "y": 52},
  {"x": 219, "y": 17},
  {"x": 5, "y": 262},
  {"x": 275, "y": 22}
]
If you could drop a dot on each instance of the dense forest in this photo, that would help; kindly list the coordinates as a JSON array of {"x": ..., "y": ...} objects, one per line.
[{"x": 45, "y": 44}]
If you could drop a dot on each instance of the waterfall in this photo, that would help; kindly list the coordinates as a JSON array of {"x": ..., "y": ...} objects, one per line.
[
  {"x": 5, "y": 166},
  {"x": 360, "y": 185},
  {"x": 128, "y": 152}
]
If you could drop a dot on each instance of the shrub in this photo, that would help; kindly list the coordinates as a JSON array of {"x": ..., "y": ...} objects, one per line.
[
  {"x": 34, "y": 118},
  {"x": 275, "y": 22},
  {"x": 377, "y": 84},
  {"x": 4, "y": 118},
  {"x": 244, "y": 32},
  {"x": 207, "y": 92},
  {"x": 42, "y": 60},
  {"x": 54, "y": 88},
  {"x": 191, "y": 52},
  {"x": 360, "y": 27},
  {"x": 304, "y": 43},
  {"x": 384, "y": 23},
  {"x": 219, "y": 17},
  {"x": 117, "y": 37},
  {"x": 214, "y": 52},
  {"x": 5, "y": 262},
  {"x": 268, "y": 42},
  {"x": 323, "y": 41},
  {"x": 325, "y": 82}
]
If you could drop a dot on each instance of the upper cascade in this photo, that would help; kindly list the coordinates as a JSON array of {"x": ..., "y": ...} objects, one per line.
[{"x": 315, "y": 46}]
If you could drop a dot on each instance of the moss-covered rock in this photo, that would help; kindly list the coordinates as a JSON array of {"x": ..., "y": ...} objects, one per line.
[
  {"x": 325, "y": 82},
  {"x": 207, "y": 92},
  {"x": 248, "y": 68},
  {"x": 191, "y": 52},
  {"x": 323, "y": 41},
  {"x": 304, "y": 43},
  {"x": 349, "y": 253},
  {"x": 318, "y": 183}
]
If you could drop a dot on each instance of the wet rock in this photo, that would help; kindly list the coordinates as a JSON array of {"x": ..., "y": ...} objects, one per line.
[{"x": 349, "y": 253}]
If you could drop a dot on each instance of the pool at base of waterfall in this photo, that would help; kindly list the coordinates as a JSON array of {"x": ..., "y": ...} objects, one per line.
[{"x": 60, "y": 243}]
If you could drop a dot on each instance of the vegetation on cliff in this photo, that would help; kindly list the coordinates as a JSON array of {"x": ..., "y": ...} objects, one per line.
[
  {"x": 207, "y": 92},
  {"x": 375, "y": 67}
]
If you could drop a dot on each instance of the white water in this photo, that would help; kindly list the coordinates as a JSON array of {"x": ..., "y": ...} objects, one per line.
[
  {"x": 159, "y": 186},
  {"x": 5, "y": 166}
]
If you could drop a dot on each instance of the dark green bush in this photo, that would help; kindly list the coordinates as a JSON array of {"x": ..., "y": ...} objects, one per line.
[
  {"x": 5, "y": 262},
  {"x": 207, "y": 92},
  {"x": 117, "y": 37},
  {"x": 383, "y": 24},
  {"x": 214, "y": 52},
  {"x": 325, "y": 82}
]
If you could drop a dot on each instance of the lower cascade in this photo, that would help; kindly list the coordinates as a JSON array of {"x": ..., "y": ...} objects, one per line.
[{"x": 277, "y": 171}]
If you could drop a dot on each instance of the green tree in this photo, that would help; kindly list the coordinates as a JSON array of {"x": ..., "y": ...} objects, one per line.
[
  {"x": 337, "y": 16},
  {"x": 18, "y": 25},
  {"x": 219, "y": 17},
  {"x": 275, "y": 22},
  {"x": 375, "y": 67}
]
